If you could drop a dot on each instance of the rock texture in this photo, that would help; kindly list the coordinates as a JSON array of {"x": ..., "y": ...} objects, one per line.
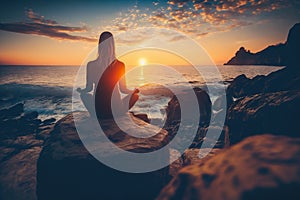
[
  {"x": 204, "y": 102},
  {"x": 282, "y": 80},
  {"x": 66, "y": 170},
  {"x": 20, "y": 146},
  {"x": 276, "y": 113},
  {"x": 18, "y": 174},
  {"x": 280, "y": 54},
  {"x": 260, "y": 167}
]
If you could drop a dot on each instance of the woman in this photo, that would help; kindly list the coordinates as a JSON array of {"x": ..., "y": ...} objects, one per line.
[{"x": 104, "y": 74}]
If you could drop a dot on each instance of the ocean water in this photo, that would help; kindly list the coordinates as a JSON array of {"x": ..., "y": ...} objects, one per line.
[{"x": 49, "y": 89}]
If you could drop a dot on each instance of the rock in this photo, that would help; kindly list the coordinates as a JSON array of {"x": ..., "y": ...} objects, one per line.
[
  {"x": 194, "y": 156},
  {"x": 174, "y": 112},
  {"x": 276, "y": 55},
  {"x": 66, "y": 170},
  {"x": 236, "y": 88},
  {"x": 18, "y": 175},
  {"x": 177, "y": 164},
  {"x": 12, "y": 112},
  {"x": 272, "y": 55},
  {"x": 6, "y": 152},
  {"x": 31, "y": 115},
  {"x": 260, "y": 167},
  {"x": 282, "y": 80},
  {"x": 276, "y": 113},
  {"x": 292, "y": 47},
  {"x": 15, "y": 123},
  {"x": 44, "y": 132},
  {"x": 26, "y": 142},
  {"x": 190, "y": 157},
  {"x": 143, "y": 117},
  {"x": 47, "y": 122}
]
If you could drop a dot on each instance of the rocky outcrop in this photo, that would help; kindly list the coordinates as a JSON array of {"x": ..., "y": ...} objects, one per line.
[
  {"x": 282, "y": 80},
  {"x": 174, "y": 113},
  {"x": 260, "y": 167},
  {"x": 292, "y": 47},
  {"x": 66, "y": 170},
  {"x": 276, "y": 113},
  {"x": 272, "y": 55},
  {"x": 14, "y": 122},
  {"x": 275, "y": 55},
  {"x": 20, "y": 147}
]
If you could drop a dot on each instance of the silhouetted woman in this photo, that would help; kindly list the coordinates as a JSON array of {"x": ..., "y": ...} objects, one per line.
[{"x": 113, "y": 72}]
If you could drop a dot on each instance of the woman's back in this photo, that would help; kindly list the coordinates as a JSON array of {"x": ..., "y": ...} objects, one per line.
[{"x": 105, "y": 87}]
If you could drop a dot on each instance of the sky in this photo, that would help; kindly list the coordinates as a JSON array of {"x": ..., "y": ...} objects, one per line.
[{"x": 65, "y": 32}]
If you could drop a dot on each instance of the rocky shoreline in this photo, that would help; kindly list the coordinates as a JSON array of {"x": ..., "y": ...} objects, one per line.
[
  {"x": 21, "y": 140},
  {"x": 256, "y": 157}
]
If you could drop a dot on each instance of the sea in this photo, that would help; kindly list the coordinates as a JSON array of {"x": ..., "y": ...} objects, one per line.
[{"x": 49, "y": 89}]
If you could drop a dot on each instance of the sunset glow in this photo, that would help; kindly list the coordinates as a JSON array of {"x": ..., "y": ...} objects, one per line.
[
  {"x": 53, "y": 34},
  {"x": 142, "y": 61}
]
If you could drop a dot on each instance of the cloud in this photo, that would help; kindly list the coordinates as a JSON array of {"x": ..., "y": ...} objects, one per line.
[
  {"x": 38, "y": 25},
  {"x": 197, "y": 18}
]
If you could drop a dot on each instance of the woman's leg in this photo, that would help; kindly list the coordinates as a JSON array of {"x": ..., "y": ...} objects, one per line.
[
  {"x": 130, "y": 100},
  {"x": 87, "y": 100}
]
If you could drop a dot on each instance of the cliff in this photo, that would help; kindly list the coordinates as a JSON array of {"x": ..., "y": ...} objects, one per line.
[{"x": 275, "y": 55}]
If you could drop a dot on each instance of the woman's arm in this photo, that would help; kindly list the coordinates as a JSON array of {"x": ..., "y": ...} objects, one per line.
[{"x": 89, "y": 83}]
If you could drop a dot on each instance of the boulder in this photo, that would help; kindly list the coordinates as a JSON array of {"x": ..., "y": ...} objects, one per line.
[
  {"x": 12, "y": 112},
  {"x": 174, "y": 112},
  {"x": 276, "y": 113},
  {"x": 14, "y": 122},
  {"x": 66, "y": 170},
  {"x": 47, "y": 122},
  {"x": 190, "y": 157},
  {"x": 260, "y": 167}
]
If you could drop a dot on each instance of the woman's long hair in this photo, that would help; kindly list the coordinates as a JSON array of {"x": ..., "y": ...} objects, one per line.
[{"x": 106, "y": 49}]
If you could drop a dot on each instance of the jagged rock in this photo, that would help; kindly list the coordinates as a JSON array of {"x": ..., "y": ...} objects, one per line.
[
  {"x": 12, "y": 112},
  {"x": 260, "y": 167},
  {"x": 272, "y": 55},
  {"x": 282, "y": 80},
  {"x": 66, "y": 170},
  {"x": 31, "y": 115},
  {"x": 47, "y": 122},
  {"x": 174, "y": 111},
  {"x": 14, "y": 122},
  {"x": 276, "y": 113},
  {"x": 292, "y": 47}
]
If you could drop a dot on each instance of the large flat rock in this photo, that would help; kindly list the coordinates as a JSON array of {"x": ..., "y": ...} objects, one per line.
[{"x": 66, "y": 170}]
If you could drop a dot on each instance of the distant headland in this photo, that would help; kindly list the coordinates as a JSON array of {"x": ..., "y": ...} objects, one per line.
[{"x": 274, "y": 55}]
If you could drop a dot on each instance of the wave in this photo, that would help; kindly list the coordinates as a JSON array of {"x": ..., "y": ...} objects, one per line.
[
  {"x": 12, "y": 91},
  {"x": 46, "y": 100}
]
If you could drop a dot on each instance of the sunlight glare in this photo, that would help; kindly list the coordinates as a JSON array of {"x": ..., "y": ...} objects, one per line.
[{"x": 142, "y": 61}]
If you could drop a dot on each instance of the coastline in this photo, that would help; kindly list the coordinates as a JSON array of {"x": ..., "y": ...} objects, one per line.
[{"x": 34, "y": 139}]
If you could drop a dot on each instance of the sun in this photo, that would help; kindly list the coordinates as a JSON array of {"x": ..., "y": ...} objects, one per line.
[{"x": 142, "y": 61}]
